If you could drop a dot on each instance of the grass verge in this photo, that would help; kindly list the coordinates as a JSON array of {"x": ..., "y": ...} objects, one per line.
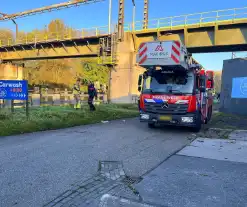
[
  {"x": 228, "y": 121},
  {"x": 48, "y": 118},
  {"x": 222, "y": 124}
]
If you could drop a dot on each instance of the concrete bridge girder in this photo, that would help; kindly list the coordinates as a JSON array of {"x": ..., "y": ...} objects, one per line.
[{"x": 11, "y": 72}]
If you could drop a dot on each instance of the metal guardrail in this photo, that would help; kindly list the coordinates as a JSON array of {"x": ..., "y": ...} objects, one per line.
[
  {"x": 202, "y": 18},
  {"x": 68, "y": 34},
  {"x": 193, "y": 19},
  {"x": 52, "y": 100}
]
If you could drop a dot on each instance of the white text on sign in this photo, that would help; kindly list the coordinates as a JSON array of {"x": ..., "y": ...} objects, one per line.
[
  {"x": 2, "y": 84},
  {"x": 158, "y": 54}
]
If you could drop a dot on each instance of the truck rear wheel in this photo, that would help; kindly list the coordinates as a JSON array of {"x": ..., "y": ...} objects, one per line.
[
  {"x": 151, "y": 125},
  {"x": 209, "y": 115},
  {"x": 210, "y": 112}
]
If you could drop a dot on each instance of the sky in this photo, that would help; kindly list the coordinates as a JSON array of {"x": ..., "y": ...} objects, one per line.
[{"x": 96, "y": 14}]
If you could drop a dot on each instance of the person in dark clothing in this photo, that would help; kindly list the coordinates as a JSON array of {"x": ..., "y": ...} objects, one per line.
[
  {"x": 218, "y": 96},
  {"x": 92, "y": 93}
]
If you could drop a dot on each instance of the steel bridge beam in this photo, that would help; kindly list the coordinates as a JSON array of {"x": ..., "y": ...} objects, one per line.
[
  {"x": 47, "y": 9},
  {"x": 215, "y": 36},
  {"x": 51, "y": 50},
  {"x": 209, "y": 37}
]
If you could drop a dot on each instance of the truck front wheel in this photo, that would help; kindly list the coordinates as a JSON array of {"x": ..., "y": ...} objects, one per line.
[
  {"x": 151, "y": 125},
  {"x": 198, "y": 124}
]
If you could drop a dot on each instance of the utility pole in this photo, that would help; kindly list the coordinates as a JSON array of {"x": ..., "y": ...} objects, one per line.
[
  {"x": 133, "y": 15},
  {"x": 110, "y": 17},
  {"x": 145, "y": 20},
  {"x": 16, "y": 28},
  {"x": 121, "y": 20}
]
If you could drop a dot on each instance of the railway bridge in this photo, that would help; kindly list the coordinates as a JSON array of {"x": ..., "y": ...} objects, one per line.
[{"x": 215, "y": 31}]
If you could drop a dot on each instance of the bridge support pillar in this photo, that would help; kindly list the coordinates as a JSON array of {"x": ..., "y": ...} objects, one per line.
[
  {"x": 11, "y": 72},
  {"x": 124, "y": 77}
]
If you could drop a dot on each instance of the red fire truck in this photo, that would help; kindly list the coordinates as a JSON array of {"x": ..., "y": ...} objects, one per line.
[{"x": 175, "y": 89}]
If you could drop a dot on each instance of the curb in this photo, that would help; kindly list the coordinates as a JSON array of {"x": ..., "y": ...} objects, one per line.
[
  {"x": 238, "y": 135},
  {"x": 168, "y": 157},
  {"x": 219, "y": 129}
]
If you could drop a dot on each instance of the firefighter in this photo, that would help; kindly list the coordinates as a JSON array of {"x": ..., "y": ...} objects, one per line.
[
  {"x": 92, "y": 93},
  {"x": 77, "y": 93}
]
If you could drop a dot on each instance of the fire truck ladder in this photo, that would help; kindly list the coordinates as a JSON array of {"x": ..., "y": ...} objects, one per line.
[{"x": 107, "y": 53}]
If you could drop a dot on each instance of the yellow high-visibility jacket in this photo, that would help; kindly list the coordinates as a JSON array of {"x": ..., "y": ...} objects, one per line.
[{"x": 76, "y": 89}]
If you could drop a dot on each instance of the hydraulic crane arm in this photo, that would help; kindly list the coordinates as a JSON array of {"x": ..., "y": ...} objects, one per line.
[{"x": 47, "y": 9}]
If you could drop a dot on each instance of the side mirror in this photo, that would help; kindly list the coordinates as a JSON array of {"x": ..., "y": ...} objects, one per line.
[
  {"x": 139, "y": 88},
  {"x": 210, "y": 79},
  {"x": 140, "y": 80},
  {"x": 210, "y": 84},
  {"x": 140, "y": 83},
  {"x": 202, "y": 83}
]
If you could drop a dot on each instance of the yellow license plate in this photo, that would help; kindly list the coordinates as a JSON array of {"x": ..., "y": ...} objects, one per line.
[{"x": 165, "y": 118}]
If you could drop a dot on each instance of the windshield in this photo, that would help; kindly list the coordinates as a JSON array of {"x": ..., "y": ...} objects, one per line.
[{"x": 169, "y": 82}]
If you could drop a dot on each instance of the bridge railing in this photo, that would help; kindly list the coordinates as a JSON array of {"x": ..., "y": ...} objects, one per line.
[
  {"x": 192, "y": 19},
  {"x": 44, "y": 36}
]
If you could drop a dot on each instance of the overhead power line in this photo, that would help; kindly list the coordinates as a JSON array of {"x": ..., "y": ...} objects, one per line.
[{"x": 47, "y": 9}]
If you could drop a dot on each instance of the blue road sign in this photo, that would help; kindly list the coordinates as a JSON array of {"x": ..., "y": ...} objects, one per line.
[
  {"x": 14, "y": 89},
  {"x": 239, "y": 87}
]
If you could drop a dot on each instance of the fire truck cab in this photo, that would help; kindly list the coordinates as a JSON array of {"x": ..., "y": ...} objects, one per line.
[{"x": 175, "y": 89}]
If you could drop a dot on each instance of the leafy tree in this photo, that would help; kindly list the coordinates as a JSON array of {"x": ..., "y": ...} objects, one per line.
[
  {"x": 6, "y": 36},
  {"x": 56, "y": 29},
  {"x": 22, "y": 36},
  {"x": 217, "y": 81}
]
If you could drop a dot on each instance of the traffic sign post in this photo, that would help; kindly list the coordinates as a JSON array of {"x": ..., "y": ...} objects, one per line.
[
  {"x": 14, "y": 90},
  {"x": 27, "y": 109},
  {"x": 12, "y": 106}
]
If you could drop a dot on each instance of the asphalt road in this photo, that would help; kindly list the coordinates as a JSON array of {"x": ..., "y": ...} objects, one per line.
[
  {"x": 207, "y": 172},
  {"x": 37, "y": 167},
  {"x": 192, "y": 182}
]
